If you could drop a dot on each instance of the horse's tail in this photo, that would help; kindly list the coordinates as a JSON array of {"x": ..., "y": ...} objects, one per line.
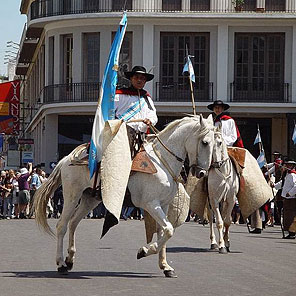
[{"x": 43, "y": 194}]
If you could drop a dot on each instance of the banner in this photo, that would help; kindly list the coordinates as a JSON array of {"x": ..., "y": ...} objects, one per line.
[{"x": 10, "y": 107}]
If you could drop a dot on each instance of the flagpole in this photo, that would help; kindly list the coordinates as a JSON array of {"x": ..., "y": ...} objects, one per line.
[{"x": 191, "y": 86}]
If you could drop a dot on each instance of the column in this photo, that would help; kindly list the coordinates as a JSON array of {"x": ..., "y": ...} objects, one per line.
[
  {"x": 290, "y": 5},
  {"x": 50, "y": 142},
  {"x": 186, "y": 5},
  {"x": 293, "y": 60},
  {"x": 148, "y": 46},
  {"x": 77, "y": 57},
  {"x": 260, "y": 4},
  {"x": 58, "y": 66},
  {"x": 222, "y": 62}
]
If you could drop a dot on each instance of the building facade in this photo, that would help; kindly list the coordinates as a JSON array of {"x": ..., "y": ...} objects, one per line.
[{"x": 242, "y": 55}]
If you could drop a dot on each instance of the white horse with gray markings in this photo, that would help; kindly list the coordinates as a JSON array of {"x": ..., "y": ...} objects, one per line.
[{"x": 192, "y": 136}]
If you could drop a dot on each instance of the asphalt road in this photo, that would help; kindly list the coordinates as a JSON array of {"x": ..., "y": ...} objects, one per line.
[{"x": 261, "y": 264}]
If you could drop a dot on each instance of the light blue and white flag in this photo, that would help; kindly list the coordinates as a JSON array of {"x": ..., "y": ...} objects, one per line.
[
  {"x": 261, "y": 159},
  {"x": 105, "y": 109},
  {"x": 188, "y": 68},
  {"x": 294, "y": 135},
  {"x": 258, "y": 138}
]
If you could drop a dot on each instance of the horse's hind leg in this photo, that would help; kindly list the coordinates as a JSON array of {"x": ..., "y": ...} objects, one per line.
[
  {"x": 227, "y": 218},
  {"x": 159, "y": 216},
  {"x": 61, "y": 227},
  {"x": 87, "y": 203}
]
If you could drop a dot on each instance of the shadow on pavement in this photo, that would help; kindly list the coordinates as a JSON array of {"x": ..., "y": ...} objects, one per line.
[
  {"x": 76, "y": 275},
  {"x": 194, "y": 250}
]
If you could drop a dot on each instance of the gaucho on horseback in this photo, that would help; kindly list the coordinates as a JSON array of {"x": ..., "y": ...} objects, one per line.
[{"x": 134, "y": 103}]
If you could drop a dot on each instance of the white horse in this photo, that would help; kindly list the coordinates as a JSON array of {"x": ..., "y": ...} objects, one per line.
[
  {"x": 223, "y": 187},
  {"x": 192, "y": 136}
]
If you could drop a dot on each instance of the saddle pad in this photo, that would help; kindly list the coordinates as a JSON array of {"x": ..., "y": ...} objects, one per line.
[
  {"x": 239, "y": 154},
  {"x": 142, "y": 163}
]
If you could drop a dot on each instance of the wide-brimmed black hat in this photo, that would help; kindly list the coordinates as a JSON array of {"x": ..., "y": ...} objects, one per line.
[
  {"x": 290, "y": 161},
  {"x": 276, "y": 153},
  {"x": 140, "y": 70},
  {"x": 218, "y": 103}
]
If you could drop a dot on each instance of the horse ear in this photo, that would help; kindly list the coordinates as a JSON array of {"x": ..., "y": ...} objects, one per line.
[
  {"x": 210, "y": 119},
  {"x": 219, "y": 128},
  {"x": 202, "y": 122}
]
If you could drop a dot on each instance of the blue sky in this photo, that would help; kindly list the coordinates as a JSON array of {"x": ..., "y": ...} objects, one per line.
[{"x": 11, "y": 27}]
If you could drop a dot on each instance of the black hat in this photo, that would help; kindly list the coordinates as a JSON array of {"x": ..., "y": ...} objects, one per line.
[
  {"x": 276, "y": 153},
  {"x": 140, "y": 70},
  {"x": 289, "y": 161},
  {"x": 218, "y": 103}
]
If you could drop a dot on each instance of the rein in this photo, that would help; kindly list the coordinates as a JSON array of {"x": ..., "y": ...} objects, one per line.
[{"x": 165, "y": 147}]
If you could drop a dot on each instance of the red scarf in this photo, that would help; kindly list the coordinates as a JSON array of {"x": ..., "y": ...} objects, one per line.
[
  {"x": 131, "y": 92},
  {"x": 239, "y": 141}
]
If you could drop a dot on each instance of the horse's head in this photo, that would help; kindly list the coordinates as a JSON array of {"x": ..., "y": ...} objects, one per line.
[
  {"x": 199, "y": 147},
  {"x": 220, "y": 154}
]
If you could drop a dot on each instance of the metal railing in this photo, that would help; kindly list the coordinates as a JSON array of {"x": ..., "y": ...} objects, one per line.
[
  {"x": 46, "y": 8},
  {"x": 74, "y": 92},
  {"x": 260, "y": 92},
  {"x": 180, "y": 92}
]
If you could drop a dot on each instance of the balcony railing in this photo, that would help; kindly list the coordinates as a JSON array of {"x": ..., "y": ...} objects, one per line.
[
  {"x": 74, "y": 92},
  {"x": 180, "y": 92},
  {"x": 264, "y": 92},
  {"x": 46, "y": 8}
]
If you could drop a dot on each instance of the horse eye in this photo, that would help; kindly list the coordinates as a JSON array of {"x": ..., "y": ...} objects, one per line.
[{"x": 205, "y": 143}]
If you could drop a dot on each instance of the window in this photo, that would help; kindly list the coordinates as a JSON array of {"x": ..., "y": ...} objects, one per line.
[
  {"x": 171, "y": 5},
  {"x": 173, "y": 52},
  {"x": 250, "y": 5},
  {"x": 259, "y": 66},
  {"x": 275, "y": 5},
  {"x": 67, "y": 58},
  {"x": 91, "y": 59},
  {"x": 65, "y": 6},
  {"x": 200, "y": 5},
  {"x": 119, "y": 5},
  {"x": 91, "y": 5}
]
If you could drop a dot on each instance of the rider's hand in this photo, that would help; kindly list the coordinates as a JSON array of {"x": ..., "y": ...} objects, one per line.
[{"x": 147, "y": 121}]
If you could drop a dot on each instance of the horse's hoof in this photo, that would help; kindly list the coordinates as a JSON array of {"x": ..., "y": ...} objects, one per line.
[
  {"x": 222, "y": 250},
  {"x": 69, "y": 264},
  {"x": 228, "y": 249},
  {"x": 63, "y": 270},
  {"x": 141, "y": 254},
  {"x": 214, "y": 247},
  {"x": 170, "y": 274}
]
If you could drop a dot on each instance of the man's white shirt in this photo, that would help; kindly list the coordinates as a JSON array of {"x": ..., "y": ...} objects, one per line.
[
  {"x": 289, "y": 186},
  {"x": 134, "y": 107},
  {"x": 228, "y": 130}
]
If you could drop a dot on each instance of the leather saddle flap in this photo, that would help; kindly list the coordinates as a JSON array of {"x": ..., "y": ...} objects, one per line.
[
  {"x": 237, "y": 156},
  {"x": 142, "y": 163}
]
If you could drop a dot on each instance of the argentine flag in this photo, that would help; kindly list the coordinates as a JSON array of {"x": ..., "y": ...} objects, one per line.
[
  {"x": 188, "y": 67},
  {"x": 261, "y": 159},
  {"x": 294, "y": 135},
  {"x": 258, "y": 138},
  {"x": 105, "y": 109}
]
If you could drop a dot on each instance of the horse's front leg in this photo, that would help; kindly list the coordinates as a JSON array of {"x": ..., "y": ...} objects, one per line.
[
  {"x": 160, "y": 217},
  {"x": 219, "y": 225},
  {"x": 214, "y": 245},
  {"x": 162, "y": 259}
]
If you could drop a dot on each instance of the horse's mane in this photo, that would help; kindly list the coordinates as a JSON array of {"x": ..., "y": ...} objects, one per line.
[{"x": 173, "y": 124}]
